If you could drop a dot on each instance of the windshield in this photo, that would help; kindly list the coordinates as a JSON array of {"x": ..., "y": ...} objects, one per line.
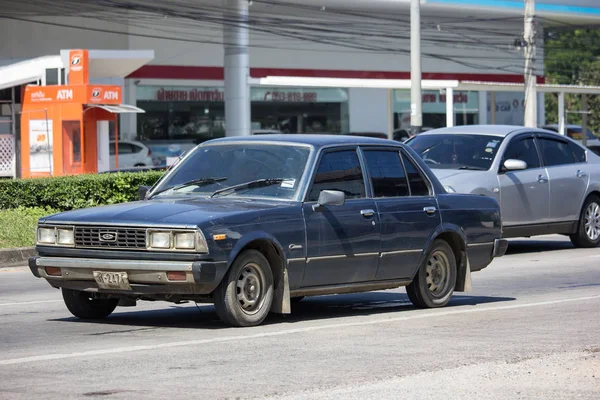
[
  {"x": 457, "y": 151},
  {"x": 218, "y": 166}
]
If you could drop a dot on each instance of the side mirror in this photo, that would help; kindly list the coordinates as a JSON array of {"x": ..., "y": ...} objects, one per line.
[
  {"x": 514, "y": 165},
  {"x": 330, "y": 198},
  {"x": 142, "y": 192}
]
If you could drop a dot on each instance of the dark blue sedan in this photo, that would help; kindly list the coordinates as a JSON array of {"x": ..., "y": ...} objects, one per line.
[{"x": 252, "y": 224}]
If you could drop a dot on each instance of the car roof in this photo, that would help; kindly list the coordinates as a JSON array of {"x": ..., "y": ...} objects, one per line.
[
  {"x": 315, "y": 140},
  {"x": 498, "y": 130}
]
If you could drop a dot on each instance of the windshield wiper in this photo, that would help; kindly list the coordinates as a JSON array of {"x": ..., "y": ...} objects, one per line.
[
  {"x": 198, "y": 182},
  {"x": 471, "y": 168},
  {"x": 259, "y": 183}
]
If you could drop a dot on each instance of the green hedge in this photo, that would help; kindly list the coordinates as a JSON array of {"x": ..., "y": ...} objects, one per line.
[
  {"x": 72, "y": 192},
  {"x": 17, "y": 226}
]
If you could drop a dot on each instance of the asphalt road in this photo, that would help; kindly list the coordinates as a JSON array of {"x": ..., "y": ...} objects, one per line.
[{"x": 529, "y": 330}]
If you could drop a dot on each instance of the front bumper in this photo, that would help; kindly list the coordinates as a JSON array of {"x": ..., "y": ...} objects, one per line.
[
  {"x": 145, "y": 277},
  {"x": 500, "y": 247}
]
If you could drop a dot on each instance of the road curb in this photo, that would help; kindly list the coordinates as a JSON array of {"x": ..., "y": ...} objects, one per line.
[{"x": 16, "y": 257}]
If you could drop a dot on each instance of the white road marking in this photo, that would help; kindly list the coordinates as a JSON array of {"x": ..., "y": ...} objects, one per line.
[
  {"x": 128, "y": 349},
  {"x": 22, "y": 303}
]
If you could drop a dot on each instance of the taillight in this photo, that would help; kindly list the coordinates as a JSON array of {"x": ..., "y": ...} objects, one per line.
[{"x": 149, "y": 152}]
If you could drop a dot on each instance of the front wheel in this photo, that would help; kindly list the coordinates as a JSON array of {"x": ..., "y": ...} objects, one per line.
[
  {"x": 434, "y": 283},
  {"x": 588, "y": 229},
  {"x": 245, "y": 295},
  {"x": 83, "y": 306}
]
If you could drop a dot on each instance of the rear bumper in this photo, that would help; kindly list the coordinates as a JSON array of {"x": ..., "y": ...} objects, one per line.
[
  {"x": 145, "y": 277},
  {"x": 500, "y": 247}
]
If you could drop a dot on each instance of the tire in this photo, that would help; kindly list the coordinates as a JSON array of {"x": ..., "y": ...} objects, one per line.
[
  {"x": 441, "y": 263},
  {"x": 245, "y": 295},
  {"x": 81, "y": 305},
  {"x": 588, "y": 228}
]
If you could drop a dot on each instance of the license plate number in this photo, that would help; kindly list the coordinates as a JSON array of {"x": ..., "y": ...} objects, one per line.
[{"x": 112, "y": 280}]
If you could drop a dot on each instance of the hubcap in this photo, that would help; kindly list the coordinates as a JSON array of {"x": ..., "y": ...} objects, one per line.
[
  {"x": 592, "y": 221},
  {"x": 250, "y": 285},
  {"x": 438, "y": 273}
]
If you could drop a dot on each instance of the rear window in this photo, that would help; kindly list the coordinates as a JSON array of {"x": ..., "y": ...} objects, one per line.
[{"x": 457, "y": 151}]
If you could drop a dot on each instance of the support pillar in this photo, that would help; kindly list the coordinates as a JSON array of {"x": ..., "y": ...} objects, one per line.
[
  {"x": 561, "y": 113},
  {"x": 449, "y": 107},
  {"x": 237, "y": 69}
]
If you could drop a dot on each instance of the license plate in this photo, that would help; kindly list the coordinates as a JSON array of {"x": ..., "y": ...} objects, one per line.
[{"x": 112, "y": 280}]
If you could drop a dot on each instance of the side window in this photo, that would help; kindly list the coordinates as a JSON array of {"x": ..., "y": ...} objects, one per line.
[
  {"x": 125, "y": 148},
  {"x": 387, "y": 173},
  {"x": 556, "y": 152},
  {"x": 341, "y": 171},
  {"x": 416, "y": 180},
  {"x": 524, "y": 150},
  {"x": 579, "y": 152}
]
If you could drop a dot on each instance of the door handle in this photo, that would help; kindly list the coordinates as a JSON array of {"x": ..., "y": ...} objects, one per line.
[
  {"x": 429, "y": 210},
  {"x": 367, "y": 213},
  {"x": 542, "y": 179},
  {"x": 581, "y": 174}
]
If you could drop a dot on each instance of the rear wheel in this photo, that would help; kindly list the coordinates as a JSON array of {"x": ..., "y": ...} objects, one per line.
[
  {"x": 245, "y": 295},
  {"x": 83, "y": 306},
  {"x": 588, "y": 229},
  {"x": 434, "y": 283}
]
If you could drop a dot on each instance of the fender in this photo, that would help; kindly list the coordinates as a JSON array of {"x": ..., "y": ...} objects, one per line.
[
  {"x": 463, "y": 278},
  {"x": 281, "y": 295}
]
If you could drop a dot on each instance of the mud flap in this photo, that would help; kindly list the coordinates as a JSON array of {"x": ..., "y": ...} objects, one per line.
[
  {"x": 281, "y": 302},
  {"x": 463, "y": 280}
]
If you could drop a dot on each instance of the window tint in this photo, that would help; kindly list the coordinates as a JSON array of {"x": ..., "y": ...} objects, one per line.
[
  {"x": 579, "y": 152},
  {"x": 387, "y": 173},
  {"x": 556, "y": 152},
  {"x": 125, "y": 148},
  {"x": 418, "y": 185},
  {"x": 341, "y": 171},
  {"x": 524, "y": 150}
]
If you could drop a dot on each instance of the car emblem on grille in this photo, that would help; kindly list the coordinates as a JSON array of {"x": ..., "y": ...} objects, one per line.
[{"x": 108, "y": 236}]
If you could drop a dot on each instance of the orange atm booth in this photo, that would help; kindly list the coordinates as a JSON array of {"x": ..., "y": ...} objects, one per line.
[{"x": 65, "y": 128}]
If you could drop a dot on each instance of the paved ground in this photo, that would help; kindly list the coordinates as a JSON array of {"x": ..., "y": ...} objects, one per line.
[{"x": 529, "y": 330}]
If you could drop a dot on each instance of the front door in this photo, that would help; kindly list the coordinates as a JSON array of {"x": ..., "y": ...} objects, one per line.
[
  {"x": 524, "y": 194},
  {"x": 342, "y": 241},
  {"x": 72, "y": 148},
  {"x": 569, "y": 177}
]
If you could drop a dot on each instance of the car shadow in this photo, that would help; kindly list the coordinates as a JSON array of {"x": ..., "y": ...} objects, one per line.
[
  {"x": 310, "y": 309},
  {"x": 524, "y": 246}
]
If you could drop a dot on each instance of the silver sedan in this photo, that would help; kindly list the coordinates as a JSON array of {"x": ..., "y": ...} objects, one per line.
[{"x": 546, "y": 183}]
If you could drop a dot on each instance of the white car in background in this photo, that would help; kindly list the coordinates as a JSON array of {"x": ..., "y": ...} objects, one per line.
[{"x": 131, "y": 154}]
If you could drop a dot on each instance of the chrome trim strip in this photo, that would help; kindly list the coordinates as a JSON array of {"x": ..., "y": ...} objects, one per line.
[
  {"x": 358, "y": 287},
  {"x": 480, "y": 244},
  {"x": 340, "y": 256},
  {"x": 392, "y": 253},
  {"x": 291, "y": 260},
  {"x": 94, "y": 263}
]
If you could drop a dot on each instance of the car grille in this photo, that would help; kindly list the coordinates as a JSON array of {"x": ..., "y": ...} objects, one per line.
[{"x": 126, "y": 238}]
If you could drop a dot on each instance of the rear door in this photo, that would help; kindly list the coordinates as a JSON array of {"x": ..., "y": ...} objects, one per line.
[
  {"x": 568, "y": 174},
  {"x": 525, "y": 194},
  {"x": 407, "y": 210}
]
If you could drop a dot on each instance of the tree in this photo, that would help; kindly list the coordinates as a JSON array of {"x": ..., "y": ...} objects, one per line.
[{"x": 572, "y": 57}]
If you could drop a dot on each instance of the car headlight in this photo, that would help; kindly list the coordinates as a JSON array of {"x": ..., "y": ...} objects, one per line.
[
  {"x": 160, "y": 240},
  {"x": 46, "y": 236},
  {"x": 449, "y": 189},
  {"x": 177, "y": 240},
  {"x": 65, "y": 237},
  {"x": 185, "y": 240}
]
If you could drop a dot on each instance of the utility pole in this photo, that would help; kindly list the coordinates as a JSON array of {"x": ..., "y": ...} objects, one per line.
[
  {"x": 416, "y": 112},
  {"x": 237, "y": 69},
  {"x": 584, "y": 118},
  {"x": 530, "y": 78}
]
